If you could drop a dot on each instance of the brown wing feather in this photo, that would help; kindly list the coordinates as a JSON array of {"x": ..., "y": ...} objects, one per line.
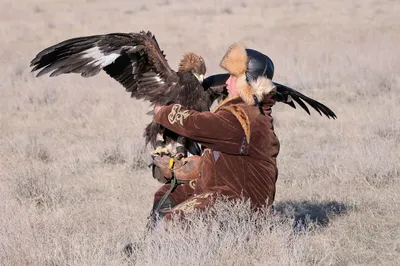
[
  {"x": 156, "y": 55},
  {"x": 135, "y": 60}
]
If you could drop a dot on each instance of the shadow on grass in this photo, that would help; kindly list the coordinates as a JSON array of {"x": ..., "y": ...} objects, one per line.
[{"x": 307, "y": 213}]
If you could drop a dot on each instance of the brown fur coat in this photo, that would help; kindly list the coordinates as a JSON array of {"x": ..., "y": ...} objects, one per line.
[{"x": 240, "y": 159}]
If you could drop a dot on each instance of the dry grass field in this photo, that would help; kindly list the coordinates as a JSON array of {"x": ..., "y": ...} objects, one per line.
[{"x": 74, "y": 183}]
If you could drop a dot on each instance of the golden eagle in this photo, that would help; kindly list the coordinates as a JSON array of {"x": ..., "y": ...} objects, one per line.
[{"x": 136, "y": 61}]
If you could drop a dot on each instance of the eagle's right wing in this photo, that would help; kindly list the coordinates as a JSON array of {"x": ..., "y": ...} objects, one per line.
[
  {"x": 216, "y": 84},
  {"x": 133, "y": 59}
]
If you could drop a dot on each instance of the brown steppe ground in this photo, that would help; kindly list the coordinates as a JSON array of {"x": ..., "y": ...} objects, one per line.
[{"x": 74, "y": 183}]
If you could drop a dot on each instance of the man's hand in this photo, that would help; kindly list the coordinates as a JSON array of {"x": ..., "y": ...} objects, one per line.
[{"x": 184, "y": 169}]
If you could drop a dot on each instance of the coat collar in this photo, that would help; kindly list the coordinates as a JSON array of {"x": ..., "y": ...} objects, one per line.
[{"x": 229, "y": 100}]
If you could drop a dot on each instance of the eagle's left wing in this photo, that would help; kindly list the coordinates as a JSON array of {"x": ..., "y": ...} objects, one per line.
[
  {"x": 289, "y": 96},
  {"x": 284, "y": 94},
  {"x": 135, "y": 60}
]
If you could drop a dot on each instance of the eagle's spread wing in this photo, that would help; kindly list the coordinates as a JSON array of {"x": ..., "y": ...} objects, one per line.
[
  {"x": 288, "y": 95},
  {"x": 283, "y": 94},
  {"x": 135, "y": 60}
]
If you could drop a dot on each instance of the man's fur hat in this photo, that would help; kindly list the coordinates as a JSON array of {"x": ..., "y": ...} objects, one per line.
[{"x": 254, "y": 72}]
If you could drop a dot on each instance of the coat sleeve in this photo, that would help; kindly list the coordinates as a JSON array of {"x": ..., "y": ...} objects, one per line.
[{"x": 221, "y": 130}]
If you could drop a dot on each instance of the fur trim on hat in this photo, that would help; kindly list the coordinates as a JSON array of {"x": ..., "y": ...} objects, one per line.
[
  {"x": 259, "y": 88},
  {"x": 235, "y": 60}
]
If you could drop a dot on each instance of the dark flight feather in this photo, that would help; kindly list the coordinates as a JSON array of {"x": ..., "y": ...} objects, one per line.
[
  {"x": 288, "y": 95},
  {"x": 283, "y": 94}
]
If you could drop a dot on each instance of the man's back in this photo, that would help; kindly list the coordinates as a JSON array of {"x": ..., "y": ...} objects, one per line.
[{"x": 251, "y": 172}]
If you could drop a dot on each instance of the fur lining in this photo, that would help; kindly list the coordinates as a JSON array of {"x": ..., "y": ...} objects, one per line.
[
  {"x": 244, "y": 90},
  {"x": 241, "y": 115},
  {"x": 235, "y": 60},
  {"x": 225, "y": 101},
  {"x": 259, "y": 88},
  {"x": 262, "y": 86}
]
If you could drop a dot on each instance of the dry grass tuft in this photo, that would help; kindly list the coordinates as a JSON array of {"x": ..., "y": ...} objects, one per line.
[
  {"x": 37, "y": 185},
  {"x": 113, "y": 155},
  {"x": 38, "y": 151}
]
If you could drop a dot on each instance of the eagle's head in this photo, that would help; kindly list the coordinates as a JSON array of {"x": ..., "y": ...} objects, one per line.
[{"x": 194, "y": 64}]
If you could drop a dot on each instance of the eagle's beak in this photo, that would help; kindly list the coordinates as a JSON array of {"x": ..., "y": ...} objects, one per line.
[{"x": 199, "y": 77}]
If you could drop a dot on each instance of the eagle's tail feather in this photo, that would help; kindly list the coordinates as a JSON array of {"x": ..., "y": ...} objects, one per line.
[{"x": 151, "y": 131}]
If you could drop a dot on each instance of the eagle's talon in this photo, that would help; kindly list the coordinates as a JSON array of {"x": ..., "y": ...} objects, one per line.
[
  {"x": 179, "y": 156},
  {"x": 160, "y": 151}
]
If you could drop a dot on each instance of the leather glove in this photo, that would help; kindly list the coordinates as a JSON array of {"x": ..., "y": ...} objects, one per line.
[{"x": 184, "y": 169}]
